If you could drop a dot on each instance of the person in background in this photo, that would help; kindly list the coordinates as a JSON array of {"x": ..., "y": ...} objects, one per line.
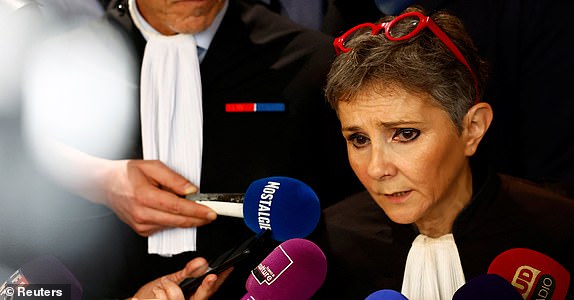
[
  {"x": 247, "y": 56},
  {"x": 408, "y": 93},
  {"x": 307, "y": 13},
  {"x": 340, "y": 15},
  {"x": 529, "y": 76}
]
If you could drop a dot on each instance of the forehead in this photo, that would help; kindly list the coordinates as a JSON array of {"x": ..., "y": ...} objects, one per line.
[
  {"x": 391, "y": 100},
  {"x": 390, "y": 107}
]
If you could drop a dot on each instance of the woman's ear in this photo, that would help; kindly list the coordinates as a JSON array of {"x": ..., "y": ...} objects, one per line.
[{"x": 476, "y": 123}]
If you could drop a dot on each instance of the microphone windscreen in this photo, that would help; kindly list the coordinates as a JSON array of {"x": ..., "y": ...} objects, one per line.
[
  {"x": 386, "y": 294},
  {"x": 295, "y": 269},
  {"x": 533, "y": 274},
  {"x": 286, "y": 206},
  {"x": 487, "y": 287},
  {"x": 47, "y": 270}
]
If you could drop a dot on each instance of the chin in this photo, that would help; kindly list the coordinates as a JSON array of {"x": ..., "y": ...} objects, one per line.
[{"x": 400, "y": 218}]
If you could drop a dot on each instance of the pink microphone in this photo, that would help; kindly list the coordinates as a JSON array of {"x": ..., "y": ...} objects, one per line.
[{"x": 295, "y": 269}]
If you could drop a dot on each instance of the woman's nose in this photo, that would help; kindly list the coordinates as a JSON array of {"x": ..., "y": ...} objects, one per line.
[{"x": 381, "y": 164}]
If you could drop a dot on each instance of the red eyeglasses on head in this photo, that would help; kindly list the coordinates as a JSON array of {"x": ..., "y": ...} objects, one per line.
[{"x": 416, "y": 22}]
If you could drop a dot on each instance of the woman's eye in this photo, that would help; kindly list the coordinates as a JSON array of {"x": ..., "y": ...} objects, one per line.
[
  {"x": 358, "y": 140},
  {"x": 406, "y": 134}
]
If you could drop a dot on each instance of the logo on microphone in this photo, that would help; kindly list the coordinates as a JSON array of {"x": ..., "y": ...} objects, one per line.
[
  {"x": 265, "y": 201},
  {"x": 525, "y": 279},
  {"x": 265, "y": 273}
]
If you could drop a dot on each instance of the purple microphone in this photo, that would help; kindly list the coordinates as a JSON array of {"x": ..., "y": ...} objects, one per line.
[{"x": 295, "y": 269}]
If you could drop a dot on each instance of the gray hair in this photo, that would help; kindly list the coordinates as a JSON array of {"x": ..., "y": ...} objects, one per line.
[{"x": 422, "y": 64}]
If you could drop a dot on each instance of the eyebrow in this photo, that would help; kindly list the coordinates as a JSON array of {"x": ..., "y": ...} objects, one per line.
[{"x": 383, "y": 124}]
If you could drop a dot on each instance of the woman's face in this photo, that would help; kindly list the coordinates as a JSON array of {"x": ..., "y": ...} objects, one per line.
[
  {"x": 179, "y": 16},
  {"x": 407, "y": 153}
]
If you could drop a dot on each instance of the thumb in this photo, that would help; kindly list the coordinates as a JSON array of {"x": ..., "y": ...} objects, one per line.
[
  {"x": 194, "y": 268},
  {"x": 168, "y": 178}
]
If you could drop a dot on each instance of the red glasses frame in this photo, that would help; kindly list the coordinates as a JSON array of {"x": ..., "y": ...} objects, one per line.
[{"x": 424, "y": 22}]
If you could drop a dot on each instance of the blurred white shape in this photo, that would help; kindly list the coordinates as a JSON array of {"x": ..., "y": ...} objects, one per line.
[
  {"x": 23, "y": 23},
  {"x": 18, "y": 30},
  {"x": 81, "y": 90},
  {"x": 13, "y": 4},
  {"x": 70, "y": 12}
]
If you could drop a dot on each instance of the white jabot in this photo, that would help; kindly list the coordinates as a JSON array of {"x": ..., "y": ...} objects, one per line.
[
  {"x": 433, "y": 269},
  {"x": 171, "y": 117}
]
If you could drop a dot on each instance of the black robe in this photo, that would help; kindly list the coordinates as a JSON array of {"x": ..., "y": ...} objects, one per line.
[{"x": 367, "y": 252}]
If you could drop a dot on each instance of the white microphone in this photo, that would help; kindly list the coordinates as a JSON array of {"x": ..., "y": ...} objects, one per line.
[{"x": 225, "y": 204}]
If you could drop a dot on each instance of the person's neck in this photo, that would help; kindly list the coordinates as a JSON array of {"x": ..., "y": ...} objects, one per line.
[{"x": 440, "y": 220}]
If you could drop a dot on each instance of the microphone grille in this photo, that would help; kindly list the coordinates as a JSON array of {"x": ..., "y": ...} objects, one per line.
[
  {"x": 295, "y": 269},
  {"x": 286, "y": 206}
]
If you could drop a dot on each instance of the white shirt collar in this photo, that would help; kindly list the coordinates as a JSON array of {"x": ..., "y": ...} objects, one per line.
[
  {"x": 433, "y": 269},
  {"x": 205, "y": 37}
]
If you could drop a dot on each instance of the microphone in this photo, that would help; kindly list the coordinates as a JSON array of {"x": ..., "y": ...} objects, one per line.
[
  {"x": 225, "y": 204},
  {"x": 277, "y": 208},
  {"x": 533, "y": 274},
  {"x": 48, "y": 271},
  {"x": 286, "y": 206},
  {"x": 295, "y": 269},
  {"x": 386, "y": 294},
  {"x": 487, "y": 287}
]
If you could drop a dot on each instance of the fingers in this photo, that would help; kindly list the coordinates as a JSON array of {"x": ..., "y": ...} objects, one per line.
[
  {"x": 167, "y": 199},
  {"x": 194, "y": 268},
  {"x": 206, "y": 289},
  {"x": 161, "y": 289},
  {"x": 167, "y": 178},
  {"x": 147, "y": 221},
  {"x": 169, "y": 289},
  {"x": 159, "y": 293},
  {"x": 210, "y": 285},
  {"x": 173, "y": 205},
  {"x": 139, "y": 198},
  {"x": 221, "y": 278},
  {"x": 161, "y": 212}
]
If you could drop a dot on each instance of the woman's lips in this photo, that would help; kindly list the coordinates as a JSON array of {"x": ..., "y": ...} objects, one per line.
[{"x": 397, "y": 197}]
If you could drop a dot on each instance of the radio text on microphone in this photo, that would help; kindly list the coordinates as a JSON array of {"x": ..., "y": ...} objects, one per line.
[
  {"x": 524, "y": 280},
  {"x": 265, "y": 201}
]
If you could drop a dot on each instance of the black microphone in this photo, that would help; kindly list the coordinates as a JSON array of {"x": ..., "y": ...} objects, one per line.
[{"x": 487, "y": 287}]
